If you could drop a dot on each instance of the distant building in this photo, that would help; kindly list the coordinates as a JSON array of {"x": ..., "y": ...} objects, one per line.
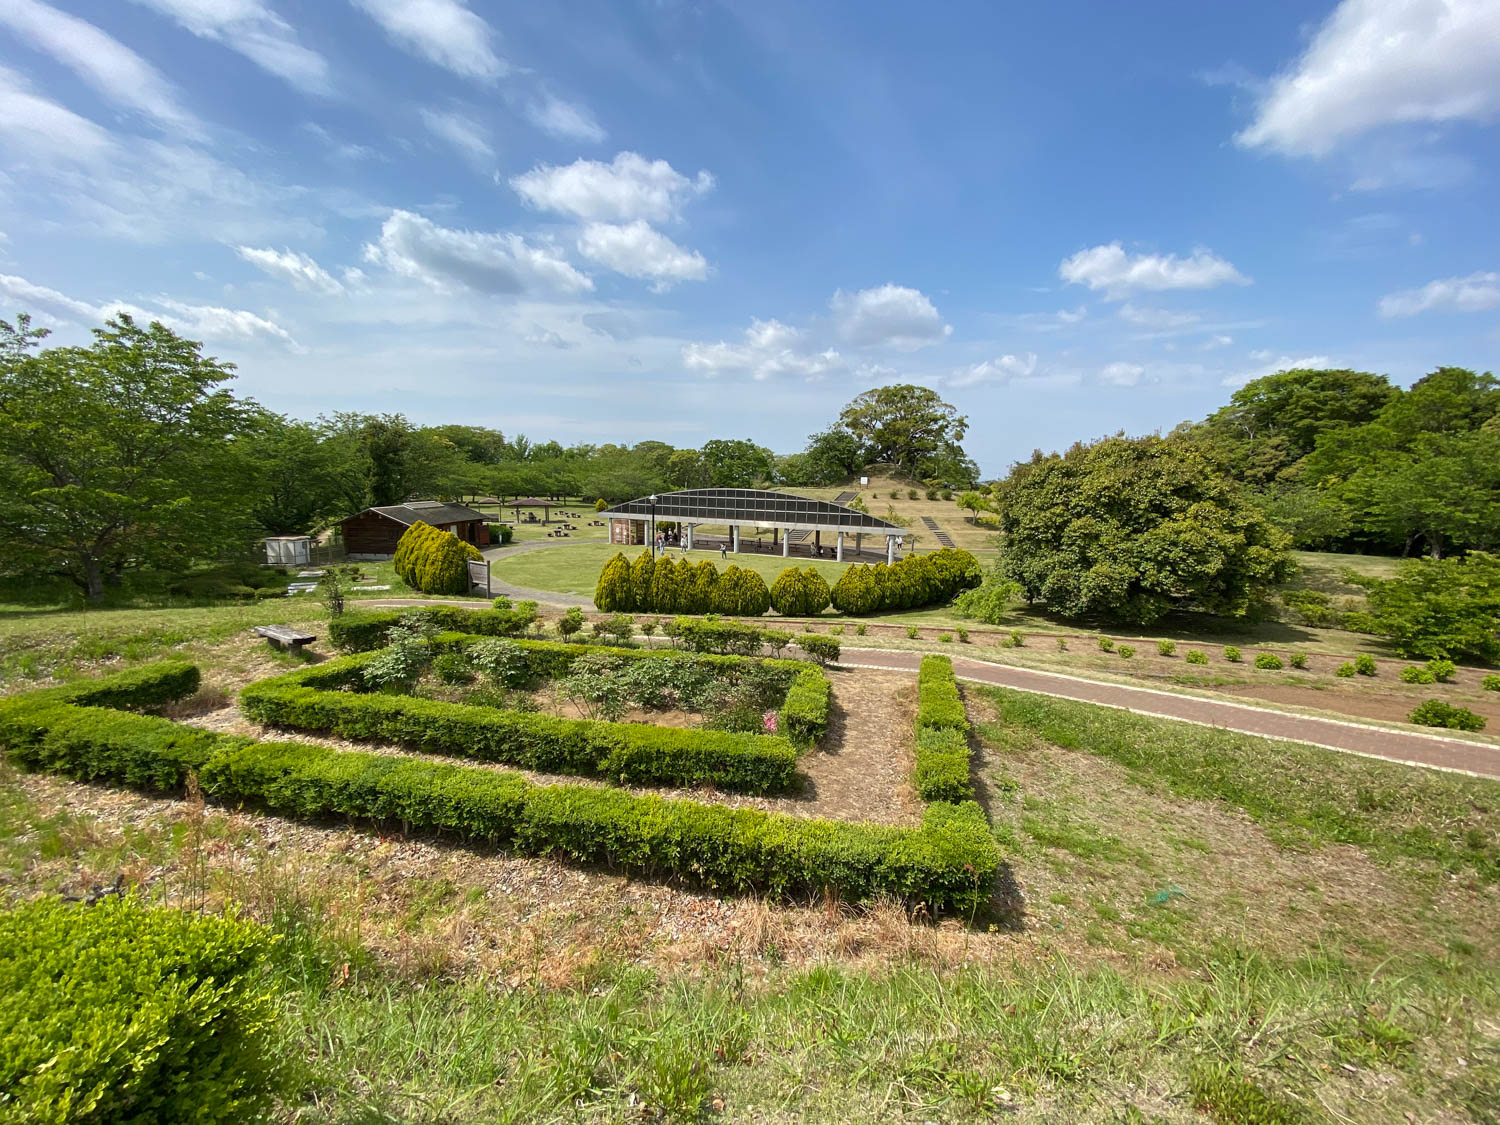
[{"x": 374, "y": 533}]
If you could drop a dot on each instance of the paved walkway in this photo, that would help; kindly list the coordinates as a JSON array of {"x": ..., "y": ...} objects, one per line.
[
  {"x": 1410, "y": 747},
  {"x": 525, "y": 593}
]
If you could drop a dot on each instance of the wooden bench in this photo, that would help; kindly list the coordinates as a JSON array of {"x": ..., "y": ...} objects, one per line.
[{"x": 281, "y": 636}]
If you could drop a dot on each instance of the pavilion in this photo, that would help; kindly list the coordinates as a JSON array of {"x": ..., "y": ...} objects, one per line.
[
  {"x": 532, "y": 502},
  {"x": 782, "y": 513}
]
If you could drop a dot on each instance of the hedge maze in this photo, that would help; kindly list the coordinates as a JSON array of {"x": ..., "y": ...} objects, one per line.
[{"x": 98, "y": 731}]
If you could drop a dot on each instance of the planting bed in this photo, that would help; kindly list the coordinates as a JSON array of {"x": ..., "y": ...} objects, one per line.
[{"x": 611, "y": 809}]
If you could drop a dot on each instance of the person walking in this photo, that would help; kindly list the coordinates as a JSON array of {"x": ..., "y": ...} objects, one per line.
[{"x": 723, "y": 550}]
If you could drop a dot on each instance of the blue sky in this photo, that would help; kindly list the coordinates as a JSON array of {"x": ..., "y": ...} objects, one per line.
[{"x": 612, "y": 221}]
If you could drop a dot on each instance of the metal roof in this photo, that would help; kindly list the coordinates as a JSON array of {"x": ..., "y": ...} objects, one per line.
[
  {"x": 753, "y": 507},
  {"x": 434, "y": 512}
]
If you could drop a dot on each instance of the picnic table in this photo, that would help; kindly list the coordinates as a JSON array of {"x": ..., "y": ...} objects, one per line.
[{"x": 284, "y": 636}]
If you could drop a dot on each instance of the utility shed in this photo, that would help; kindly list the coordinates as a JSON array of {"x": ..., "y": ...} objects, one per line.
[{"x": 373, "y": 534}]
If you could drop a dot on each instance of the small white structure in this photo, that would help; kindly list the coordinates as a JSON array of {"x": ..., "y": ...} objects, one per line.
[{"x": 288, "y": 550}]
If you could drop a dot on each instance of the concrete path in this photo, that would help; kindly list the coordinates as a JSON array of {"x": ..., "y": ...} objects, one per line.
[
  {"x": 1410, "y": 747},
  {"x": 525, "y": 593}
]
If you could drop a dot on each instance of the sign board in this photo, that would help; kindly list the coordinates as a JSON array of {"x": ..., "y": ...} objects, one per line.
[
  {"x": 479, "y": 576},
  {"x": 864, "y": 480}
]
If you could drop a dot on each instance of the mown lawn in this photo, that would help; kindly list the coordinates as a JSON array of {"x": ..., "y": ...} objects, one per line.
[{"x": 1196, "y": 926}]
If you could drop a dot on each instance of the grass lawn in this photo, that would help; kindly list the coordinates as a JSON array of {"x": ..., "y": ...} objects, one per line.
[{"x": 1195, "y": 927}]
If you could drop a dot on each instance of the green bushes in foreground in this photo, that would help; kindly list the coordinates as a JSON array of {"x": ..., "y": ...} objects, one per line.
[
  {"x": 949, "y": 862},
  {"x": 938, "y": 702},
  {"x": 123, "y": 1013},
  {"x": 942, "y": 746},
  {"x": 1436, "y": 713}
]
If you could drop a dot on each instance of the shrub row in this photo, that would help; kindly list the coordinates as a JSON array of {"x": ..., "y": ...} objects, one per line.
[
  {"x": 949, "y": 862},
  {"x": 363, "y": 631},
  {"x": 434, "y": 561},
  {"x": 627, "y": 753},
  {"x": 804, "y": 712},
  {"x": 121, "y": 1012},
  {"x": 150, "y": 685},
  {"x": 909, "y": 583},
  {"x": 942, "y": 750},
  {"x": 667, "y": 585},
  {"x": 799, "y": 593}
]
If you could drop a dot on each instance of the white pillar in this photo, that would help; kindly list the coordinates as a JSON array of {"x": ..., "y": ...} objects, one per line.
[
  {"x": 839, "y": 548},
  {"x": 858, "y": 541},
  {"x": 690, "y": 535},
  {"x": 734, "y": 537},
  {"x": 786, "y": 542},
  {"x": 890, "y": 550}
]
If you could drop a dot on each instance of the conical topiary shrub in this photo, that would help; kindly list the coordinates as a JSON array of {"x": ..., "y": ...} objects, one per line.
[{"x": 615, "y": 593}]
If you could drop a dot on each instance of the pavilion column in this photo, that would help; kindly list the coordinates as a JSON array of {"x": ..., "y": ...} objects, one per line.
[
  {"x": 839, "y": 548},
  {"x": 734, "y": 537},
  {"x": 858, "y": 540},
  {"x": 786, "y": 543},
  {"x": 690, "y": 535},
  {"x": 890, "y": 550}
]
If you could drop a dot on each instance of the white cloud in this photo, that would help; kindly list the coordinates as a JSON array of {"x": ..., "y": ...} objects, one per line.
[
  {"x": 289, "y": 265},
  {"x": 770, "y": 348},
  {"x": 1384, "y": 62},
  {"x": 252, "y": 29},
  {"x": 1121, "y": 374},
  {"x": 1072, "y": 316},
  {"x": 462, "y": 132},
  {"x": 890, "y": 315},
  {"x": 1109, "y": 268},
  {"x": 1285, "y": 363},
  {"x": 339, "y": 149},
  {"x": 1001, "y": 369},
  {"x": 445, "y": 258},
  {"x": 1156, "y": 318},
  {"x": 631, "y": 187},
  {"x": 443, "y": 32},
  {"x": 565, "y": 120},
  {"x": 205, "y": 321},
  {"x": 1474, "y": 293},
  {"x": 106, "y": 64},
  {"x": 638, "y": 250},
  {"x": 1215, "y": 342}
]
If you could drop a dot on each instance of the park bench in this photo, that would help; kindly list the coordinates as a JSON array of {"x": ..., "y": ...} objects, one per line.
[{"x": 281, "y": 636}]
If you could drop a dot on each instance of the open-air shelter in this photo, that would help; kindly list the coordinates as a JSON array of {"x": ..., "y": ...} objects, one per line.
[
  {"x": 532, "y": 502},
  {"x": 784, "y": 514}
]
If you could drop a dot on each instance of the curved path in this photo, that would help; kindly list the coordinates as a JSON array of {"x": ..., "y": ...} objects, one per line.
[
  {"x": 1413, "y": 748},
  {"x": 525, "y": 593}
]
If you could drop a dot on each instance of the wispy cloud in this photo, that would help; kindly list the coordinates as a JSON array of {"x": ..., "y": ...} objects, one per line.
[
  {"x": 255, "y": 31},
  {"x": 444, "y": 32}
]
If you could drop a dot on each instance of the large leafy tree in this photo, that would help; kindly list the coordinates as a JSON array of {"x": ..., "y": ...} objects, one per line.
[
  {"x": 731, "y": 463},
  {"x": 1134, "y": 528},
  {"x": 909, "y": 427},
  {"x": 303, "y": 477},
  {"x": 123, "y": 454}
]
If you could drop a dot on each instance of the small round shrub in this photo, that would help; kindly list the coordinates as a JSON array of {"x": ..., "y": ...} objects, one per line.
[
  {"x": 1232, "y": 654},
  {"x": 945, "y": 638},
  {"x": 570, "y": 622},
  {"x": 1106, "y": 644},
  {"x": 1345, "y": 671},
  {"x": 912, "y": 631},
  {"x": 452, "y": 668},
  {"x": 836, "y": 630},
  {"x": 1125, "y": 651},
  {"x": 1195, "y": 657},
  {"x": 1442, "y": 671},
  {"x": 963, "y": 636},
  {"x": 600, "y": 504},
  {"x": 1268, "y": 661},
  {"x": 1062, "y": 644},
  {"x": 1166, "y": 648},
  {"x": 1436, "y": 713},
  {"x": 1364, "y": 664},
  {"x": 1491, "y": 683},
  {"x": 911, "y": 494},
  {"x": 1417, "y": 674},
  {"x": 648, "y": 627},
  {"x": 1016, "y": 639},
  {"x": 860, "y": 628},
  {"x": 1299, "y": 660},
  {"x": 502, "y": 602}
]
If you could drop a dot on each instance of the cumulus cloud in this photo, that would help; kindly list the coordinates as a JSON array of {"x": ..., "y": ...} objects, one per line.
[
  {"x": 445, "y": 258},
  {"x": 1375, "y": 63},
  {"x": 890, "y": 315},
  {"x": 462, "y": 132},
  {"x": 1284, "y": 363},
  {"x": 1121, "y": 374},
  {"x": 770, "y": 348},
  {"x": 1156, "y": 318},
  {"x": 443, "y": 32},
  {"x": 1474, "y": 293},
  {"x": 252, "y": 29},
  {"x": 629, "y": 188},
  {"x": 639, "y": 250},
  {"x": 565, "y": 120},
  {"x": 1111, "y": 269},
  {"x": 999, "y": 370},
  {"x": 290, "y": 265},
  {"x": 201, "y": 321},
  {"x": 106, "y": 64}
]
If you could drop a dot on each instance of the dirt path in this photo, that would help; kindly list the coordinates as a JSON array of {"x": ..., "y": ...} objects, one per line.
[{"x": 1409, "y": 747}]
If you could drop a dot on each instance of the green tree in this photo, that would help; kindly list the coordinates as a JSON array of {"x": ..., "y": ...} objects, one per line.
[
  {"x": 907, "y": 426},
  {"x": 799, "y": 592},
  {"x": 1132, "y": 529},
  {"x": 973, "y": 503},
  {"x": 120, "y": 455},
  {"x": 1447, "y": 608},
  {"x": 615, "y": 592},
  {"x": 642, "y": 574},
  {"x": 735, "y": 463},
  {"x": 833, "y": 456},
  {"x": 301, "y": 477}
]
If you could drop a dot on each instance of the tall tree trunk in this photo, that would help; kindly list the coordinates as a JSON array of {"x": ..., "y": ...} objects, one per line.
[{"x": 93, "y": 578}]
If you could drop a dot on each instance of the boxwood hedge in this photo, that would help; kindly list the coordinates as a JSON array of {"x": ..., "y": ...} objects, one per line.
[
  {"x": 948, "y": 862},
  {"x": 362, "y": 631},
  {"x": 942, "y": 750}
]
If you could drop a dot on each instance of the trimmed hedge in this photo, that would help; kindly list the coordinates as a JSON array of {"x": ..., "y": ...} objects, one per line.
[
  {"x": 434, "y": 561},
  {"x": 150, "y": 685},
  {"x": 804, "y": 712},
  {"x": 949, "y": 862},
  {"x": 909, "y": 583},
  {"x": 124, "y": 1013},
  {"x": 942, "y": 749},
  {"x": 363, "y": 631},
  {"x": 799, "y": 592}
]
